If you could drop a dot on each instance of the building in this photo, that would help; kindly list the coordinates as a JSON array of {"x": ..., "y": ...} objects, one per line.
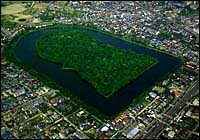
[
  {"x": 133, "y": 132},
  {"x": 171, "y": 134},
  {"x": 19, "y": 92},
  {"x": 152, "y": 94},
  {"x": 104, "y": 129},
  {"x": 196, "y": 102},
  {"x": 176, "y": 91}
]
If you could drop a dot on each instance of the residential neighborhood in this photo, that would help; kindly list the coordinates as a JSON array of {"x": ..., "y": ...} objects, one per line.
[{"x": 30, "y": 109}]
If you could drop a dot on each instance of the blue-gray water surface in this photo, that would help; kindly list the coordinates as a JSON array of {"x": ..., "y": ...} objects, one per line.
[{"x": 25, "y": 51}]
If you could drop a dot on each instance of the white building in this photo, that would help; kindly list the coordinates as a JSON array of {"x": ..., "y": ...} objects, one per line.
[
  {"x": 152, "y": 94},
  {"x": 132, "y": 133}
]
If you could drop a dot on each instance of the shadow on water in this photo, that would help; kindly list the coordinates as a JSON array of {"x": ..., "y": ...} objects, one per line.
[{"x": 72, "y": 81}]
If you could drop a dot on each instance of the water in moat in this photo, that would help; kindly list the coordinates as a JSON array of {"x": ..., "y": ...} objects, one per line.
[{"x": 25, "y": 51}]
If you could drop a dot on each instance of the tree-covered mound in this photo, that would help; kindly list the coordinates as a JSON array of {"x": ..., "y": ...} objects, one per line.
[{"x": 105, "y": 67}]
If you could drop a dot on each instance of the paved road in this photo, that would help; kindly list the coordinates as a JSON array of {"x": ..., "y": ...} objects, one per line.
[{"x": 193, "y": 91}]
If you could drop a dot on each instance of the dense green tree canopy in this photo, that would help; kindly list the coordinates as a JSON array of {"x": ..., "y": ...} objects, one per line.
[{"x": 105, "y": 67}]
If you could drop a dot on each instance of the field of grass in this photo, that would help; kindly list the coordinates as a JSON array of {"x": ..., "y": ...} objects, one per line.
[
  {"x": 12, "y": 9},
  {"x": 6, "y": 3},
  {"x": 63, "y": 3},
  {"x": 21, "y": 16},
  {"x": 36, "y": 20},
  {"x": 36, "y": 7}
]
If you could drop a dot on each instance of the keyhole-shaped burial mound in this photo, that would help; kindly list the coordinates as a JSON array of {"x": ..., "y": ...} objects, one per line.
[{"x": 107, "y": 68}]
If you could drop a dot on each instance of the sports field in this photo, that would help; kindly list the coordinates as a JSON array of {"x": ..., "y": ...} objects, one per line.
[{"x": 12, "y": 9}]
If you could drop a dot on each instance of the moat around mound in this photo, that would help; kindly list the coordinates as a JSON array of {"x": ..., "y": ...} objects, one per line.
[
  {"x": 25, "y": 48},
  {"x": 105, "y": 67}
]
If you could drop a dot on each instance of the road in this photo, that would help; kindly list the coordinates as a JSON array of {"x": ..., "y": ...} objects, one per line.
[
  {"x": 191, "y": 92},
  {"x": 134, "y": 117},
  {"x": 77, "y": 129}
]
